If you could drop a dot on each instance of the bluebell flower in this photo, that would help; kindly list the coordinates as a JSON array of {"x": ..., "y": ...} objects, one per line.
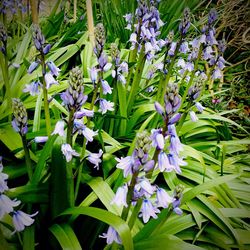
[
  {"x": 175, "y": 118},
  {"x": 111, "y": 236},
  {"x": 103, "y": 63},
  {"x": 163, "y": 163},
  {"x": 176, "y": 162},
  {"x": 105, "y": 87},
  {"x": 84, "y": 112},
  {"x": 163, "y": 198},
  {"x": 148, "y": 210},
  {"x": 22, "y": 220},
  {"x": 221, "y": 63},
  {"x": 93, "y": 74},
  {"x": 54, "y": 70},
  {"x": 184, "y": 48},
  {"x": 160, "y": 110},
  {"x": 149, "y": 165},
  {"x": 50, "y": 80},
  {"x": 95, "y": 158},
  {"x": 217, "y": 74},
  {"x": 3, "y": 178},
  {"x": 38, "y": 38},
  {"x": 41, "y": 139},
  {"x": 120, "y": 198},
  {"x": 105, "y": 106},
  {"x": 6, "y": 205},
  {"x": 133, "y": 40},
  {"x": 208, "y": 53},
  {"x": 157, "y": 138},
  {"x": 32, "y": 88},
  {"x": 59, "y": 129},
  {"x": 210, "y": 38},
  {"x": 68, "y": 152},
  {"x": 33, "y": 66},
  {"x": 126, "y": 164},
  {"x": 193, "y": 116},
  {"x": 175, "y": 144},
  {"x": 199, "y": 107},
  {"x": 212, "y": 16},
  {"x": 171, "y": 51},
  {"x": 144, "y": 187},
  {"x": 185, "y": 22},
  {"x": 46, "y": 49},
  {"x": 84, "y": 130}
]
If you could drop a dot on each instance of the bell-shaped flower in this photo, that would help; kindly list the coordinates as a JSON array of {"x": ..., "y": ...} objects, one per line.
[
  {"x": 163, "y": 198},
  {"x": 145, "y": 187},
  {"x": 93, "y": 74},
  {"x": 6, "y": 205},
  {"x": 95, "y": 158},
  {"x": 68, "y": 152},
  {"x": 84, "y": 130},
  {"x": 83, "y": 112},
  {"x": 105, "y": 106},
  {"x": 163, "y": 162},
  {"x": 126, "y": 164},
  {"x": 32, "y": 88},
  {"x": 105, "y": 87},
  {"x": 157, "y": 138},
  {"x": 120, "y": 198},
  {"x": 53, "y": 69},
  {"x": 50, "y": 80},
  {"x": 199, "y": 107},
  {"x": 111, "y": 236},
  {"x": 33, "y": 66},
  {"x": 59, "y": 129},
  {"x": 148, "y": 210},
  {"x": 22, "y": 220},
  {"x": 193, "y": 116},
  {"x": 41, "y": 139}
]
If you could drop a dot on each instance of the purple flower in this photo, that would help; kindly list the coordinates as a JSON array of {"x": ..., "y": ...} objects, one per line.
[
  {"x": 84, "y": 112},
  {"x": 126, "y": 164},
  {"x": 221, "y": 63},
  {"x": 21, "y": 219},
  {"x": 59, "y": 129},
  {"x": 54, "y": 70},
  {"x": 32, "y": 88},
  {"x": 184, "y": 48},
  {"x": 149, "y": 165},
  {"x": 193, "y": 116},
  {"x": 133, "y": 40},
  {"x": 93, "y": 74},
  {"x": 46, "y": 49},
  {"x": 163, "y": 163},
  {"x": 84, "y": 130},
  {"x": 148, "y": 210},
  {"x": 120, "y": 198},
  {"x": 68, "y": 152},
  {"x": 95, "y": 158},
  {"x": 50, "y": 80},
  {"x": 175, "y": 144},
  {"x": 105, "y": 87},
  {"x": 157, "y": 138},
  {"x": 33, "y": 66},
  {"x": 212, "y": 16},
  {"x": 105, "y": 106},
  {"x": 217, "y": 74},
  {"x": 175, "y": 118},
  {"x": 199, "y": 107},
  {"x": 176, "y": 162},
  {"x": 111, "y": 236},
  {"x": 172, "y": 49},
  {"x": 3, "y": 179},
  {"x": 211, "y": 40},
  {"x": 145, "y": 187},
  {"x": 6, "y": 205},
  {"x": 41, "y": 139},
  {"x": 163, "y": 198},
  {"x": 160, "y": 110}
]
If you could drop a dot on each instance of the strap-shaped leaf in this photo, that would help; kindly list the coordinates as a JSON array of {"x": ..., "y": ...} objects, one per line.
[{"x": 113, "y": 220}]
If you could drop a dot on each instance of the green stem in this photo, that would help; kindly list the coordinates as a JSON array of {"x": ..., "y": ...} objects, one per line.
[
  {"x": 131, "y": 187},
  {"x": 45, "y": 97},
  {"x": 70, "y": 127},
  {"x": 115, "y": 94},
  {"x": 27, "y": 156},
  {"x": 134, "y": 215},
  {"x": 136, "y": 81}
]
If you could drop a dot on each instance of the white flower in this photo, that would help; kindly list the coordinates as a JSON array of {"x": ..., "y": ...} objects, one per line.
[
  {"x": 68, "y": 152},
  {"x": 193, "y": 116},
  {"x": 120, "y": 198},
  {"x": 59, "y": 129},
  {"x": 32, "y": 88},
  {"x": 6, "y": 205},
  {"x": 145, "y": 186},
  {"x": 21, "y": 219},
  {"x": 39, "y": 139},
  {"x": 95, "y": 158}
]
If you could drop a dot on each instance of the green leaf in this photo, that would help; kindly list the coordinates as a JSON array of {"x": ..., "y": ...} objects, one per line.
[
  {"x": 113, "y": 220},
  {"x": 166, "y": 242},
  {"x": 65, "y": 236}
]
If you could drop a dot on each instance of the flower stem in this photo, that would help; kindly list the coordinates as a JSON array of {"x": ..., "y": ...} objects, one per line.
[
  {"x": 45, "y": 97},
  {"x": 135, "y": 212},
  {"x": 27, "y": 156}
]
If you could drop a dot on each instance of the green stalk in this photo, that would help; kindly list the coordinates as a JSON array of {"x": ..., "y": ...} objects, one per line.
[
  {"x": 115, "y": 94},
  {"x": 78, "y": 179},
  {"x": 45, "y": 97},
  {"x": 136, "y": 81},
  {"x": 131, "y": 187},
  {"x": 134, "y": 215},
  {"x": 27, "y": 156}
]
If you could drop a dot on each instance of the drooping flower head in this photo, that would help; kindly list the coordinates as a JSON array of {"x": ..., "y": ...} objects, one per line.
[
  {"x": 39, "y": 39},
  {"x": 19, "y": 123}
]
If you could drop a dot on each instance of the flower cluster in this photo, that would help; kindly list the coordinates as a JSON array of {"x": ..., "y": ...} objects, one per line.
[
  {"x": 53, "y": 70},
  {"x": 19, "y": 218},
  {"x": 13, "y": 6},
  {"x": 120, "y": 67},
  {"x": 19, "y": 123},
  {"x": 3, "y": 38},
  {"x": 96, "y": 73},
  {"x": 147, "y": 27},
  {"x": 139, "y": 187}
]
